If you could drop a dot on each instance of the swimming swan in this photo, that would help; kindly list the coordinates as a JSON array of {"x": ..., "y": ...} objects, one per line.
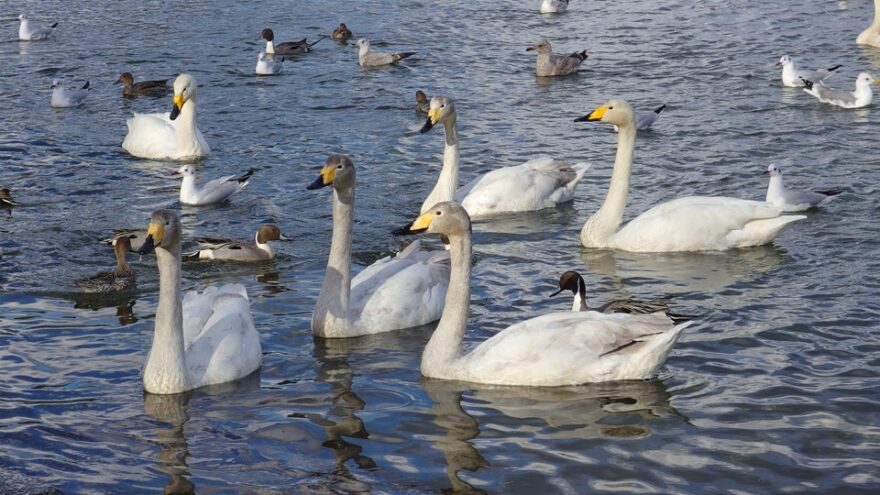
[
  {"x": 174, "y": 136},
  {"x": 396, "y": 292},
  {"x": 693, "y": 223},
  {"x": 566, "y": 348},
  {"x": 201, "y": 339},
  {"x": 534, "y": 185}
]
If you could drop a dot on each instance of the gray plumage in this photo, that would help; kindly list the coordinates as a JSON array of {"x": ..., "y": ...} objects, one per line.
[
  {"x": 788, "y": 200},
  {"x": 549, "y": 64},
  {"x": 367, "y": 58},
  {"x": 644, "y": 120},
  {"x": 861, "y": 97},
  {"x": 136, "y": 238},
  {"x": 288, "y": 47},
  {"x": 212, "y": 248}
]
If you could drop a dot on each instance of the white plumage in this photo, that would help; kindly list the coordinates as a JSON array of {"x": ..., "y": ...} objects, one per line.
[
  {"x": 33, "y": 31},
  {"x": 211, "y": 192},
  {"x": 64, "y": 98},
  {"x": 267, "y": 65},
  {"x": 554, "y": 6}
]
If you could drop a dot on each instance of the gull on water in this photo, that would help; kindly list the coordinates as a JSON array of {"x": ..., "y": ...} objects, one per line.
[
  {"x": 551, "y": 64},
  {"x": 212, "y": 248},
  {"x": 791, "y": 76},
  {"x": 33, "y": 31},
  {"x": 644, "y": 120},
  {"x": 871, "y": 35},
  {"x": 211, "y": 192},
  {"x": 554, "y": 6},
  {"x": 367, "y": 58},
  {"x": 63, "y": 97},
  {"x": 267, "y": 65},
  {"x": 130, "y": 88},
  {"x": 861, "y": 97},
  {"x": 788, "y": 200}
]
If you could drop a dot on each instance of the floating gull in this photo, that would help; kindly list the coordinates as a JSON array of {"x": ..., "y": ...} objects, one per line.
[
  {"x": 861, "y": 97},
  {"x": 130, "y": 88},
  {"x": 288, "y": 47},
  {"x": 871, "y": 36},
  {"x": 212, "y": 192},
  {"x": 551, "y": 64},
  {"x": 778, "y": 195},
  {"x": 366, "y": 58},
  {"x": 342, "y": 33},
  {"x": 423, "y": 103},
  {"x": 554, "y": 6},
  {"x": 212, "y": 248},
  {"x": 63, "y": 97},
  {"x": 791, "y": 76},
  {"x": 644, "y": 120},
  {"x": 267, "y": 65},
  {"x": 32, "y": 31}
]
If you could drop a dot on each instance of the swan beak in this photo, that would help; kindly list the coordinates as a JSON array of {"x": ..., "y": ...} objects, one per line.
[
  {"x": 433, "y": 118},
  {"x": 596, "y": 114},
  {"x": 556, "y": 293},
  {"x": 155, "y": 234},
  {"x": 420, "y": 225},
  {"x": 178, "y": 106},
  {"x": 323, "y": 180}
]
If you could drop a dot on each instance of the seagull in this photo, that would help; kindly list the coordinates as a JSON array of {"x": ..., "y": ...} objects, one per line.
[
  {"x": 778, "y": 195},
  {"x": 62, "y": 97},
  {"x": 32, "y": 31},
  {"x": 366, "y": 58},
  {"x": 644, "y": 120},
  {"x": 554, "y": 6},
  {"x": 267, "y": 65},
  {"x": 791, "y": 76},
  {"x": 551, "y": 64},
  {"x": 859, "y": 98},
  {"x": 211, "y": 192}
]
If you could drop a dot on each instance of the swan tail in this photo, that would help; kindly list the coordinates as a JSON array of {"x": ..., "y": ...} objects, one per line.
[{"x": 762, "y": 231}]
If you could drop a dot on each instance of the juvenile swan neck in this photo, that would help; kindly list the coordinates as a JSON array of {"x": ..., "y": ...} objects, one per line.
[
  {"x": 444, "y": 348},
  {"x": 165, "y": 370},
  {"x": 604, "y": 223},
  {"x": 331, "y": 317},
  {"x": 447, "y": 182}
]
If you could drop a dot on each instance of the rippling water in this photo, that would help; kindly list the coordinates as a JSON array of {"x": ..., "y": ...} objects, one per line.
[{"x": 775, "y": 389}]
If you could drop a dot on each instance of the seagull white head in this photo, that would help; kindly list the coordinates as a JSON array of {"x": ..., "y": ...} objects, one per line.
[
  {"x": 56, "y": 83},
  {"x": 363, "y": 43},
  {"x": 22, "y": 17},
  {"x": 785, "y": 60},
  {"x": 864, "y": 80},
  {"x": 185, "y": 171},
  {"x": 773, "y": 171},
  {"x": 541, "y": 46}
]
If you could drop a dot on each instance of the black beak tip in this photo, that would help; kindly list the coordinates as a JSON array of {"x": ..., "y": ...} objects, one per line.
[
  {"x": 401, "y": 231},
  {"x": 317, "y": 184},
  {"x": 174, "y": 112},
  {"x": 427, "y": 127},
  {"x": 585, "y": 118},
  {"x": 148, "y": 246}
]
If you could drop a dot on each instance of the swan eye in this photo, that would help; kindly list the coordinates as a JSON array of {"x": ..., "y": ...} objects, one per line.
[
  {"x": 167, "y": 222},
  {"x": 339, "y": 167},
  {"x": 610, "y": 108}
]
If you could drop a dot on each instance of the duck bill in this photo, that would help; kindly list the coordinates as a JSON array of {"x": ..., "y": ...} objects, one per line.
[
  {"x": 421, "y": 224},
  {"x": 178, "y": 106},
  {"x": 282, "y": 237},
  {"x": 556, "y": 293}
]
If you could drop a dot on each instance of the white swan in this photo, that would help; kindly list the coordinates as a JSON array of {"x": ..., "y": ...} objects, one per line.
[
  {"x": 555, "y": 349},
  {"x": 534, "y": 185},
  {"x": 694, "y": 223},
  {"x": 173, "y": 136},
  {"x": 396, "y": 292},
  {"x": 203, "y": 339},
  {"x": 871, "y": 35}
]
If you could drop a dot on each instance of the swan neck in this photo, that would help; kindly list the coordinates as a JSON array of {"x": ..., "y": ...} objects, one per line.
[
  {"x": 604, "y": 223},
  {"x": 165, "y": 370},
  {"x": 447, "y": 182},
  {"x": 445, "y": 344},
  {"x": 331, "y": 314}
]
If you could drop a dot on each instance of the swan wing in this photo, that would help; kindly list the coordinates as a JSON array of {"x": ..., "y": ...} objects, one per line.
[
  {"x": 534, "y": 185},
  {"x": 574, "y": 347},
  {"x": 151, "y": 135},
  {"x": 401, "y": 291},
  {"x": 699, "y": 223},
  {"x": 220, "y": 339}
]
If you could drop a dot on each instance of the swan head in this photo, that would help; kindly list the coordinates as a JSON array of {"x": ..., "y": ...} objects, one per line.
[
  {"x": 163, "y": 231},
  {"x": 541, "y": 46},
  {"x": 184, "y": 91},
  {"x": 270, "y": 232},
  {"x": 338, "y": 171},
  {"x": 785, "y": 60},
  {"x": 441, "y": 110},
  {"x": 447, "y": 219},
  {"x": 571, "y": 280},
  {"x": 185, "y": 171},
  {"x": 363, "y": 43},
  {"x": 773, "y": 170},
  {"x": 267, "y": 34},
  {"x": 616, "y": 111}
]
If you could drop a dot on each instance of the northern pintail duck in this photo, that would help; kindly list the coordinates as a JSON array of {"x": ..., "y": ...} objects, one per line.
[
  {"x": 144, "y": 88},
  {"x": 6, "y": 197},
  {"x": 573, "y": 281},
  {"x": 212, "y": 248},
  {"x": 120, "y": 279},
  {"x": 288, "y": 47},
  {"x": 342, "y": 33}
]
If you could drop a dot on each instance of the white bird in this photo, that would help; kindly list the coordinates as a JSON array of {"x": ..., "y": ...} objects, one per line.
[
  {"x": 644, "y": 120},
  {"x": 549, "y": 64},
  {"x": 211, "y": 192},
  {"x": 267, "y": 65},
  {"x": 566, "y": 348},
  {"x": 33, "y": 31},
  {"x": 694, "y": 223},
  {"x": 169, "y": 136},
  {"x": 554, "y": 6},
  {"x": 396, "y": 292},
  {"x": 199, "y": 339},
  {"x": 793, "y": 77},
  {"x": 64, "y": 98},
  {"x": 778, "y": 195},
  {"x": 213, "y": 248},
  {"x": 861, "y": 97},
  {"x": 367, "y": 58},
  {"x": 871, "y": 35},
  {"x": 537, "y": 184}
]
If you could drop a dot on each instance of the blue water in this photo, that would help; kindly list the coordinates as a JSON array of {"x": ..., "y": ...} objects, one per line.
[{"x": 775, "y": 389}]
